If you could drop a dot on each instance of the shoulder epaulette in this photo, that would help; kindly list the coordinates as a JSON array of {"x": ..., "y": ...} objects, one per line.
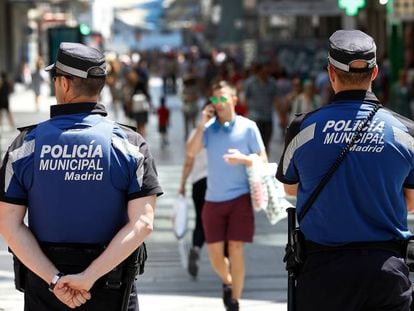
[
  {"x": 27, "y": 128},
  {"x": 127, "y": 126}
]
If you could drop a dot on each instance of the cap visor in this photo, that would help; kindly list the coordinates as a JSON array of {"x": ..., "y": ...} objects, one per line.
[{"x": 50, "y": 67}]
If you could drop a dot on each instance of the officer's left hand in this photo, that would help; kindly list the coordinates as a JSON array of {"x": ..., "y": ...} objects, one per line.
[{"x": 70, "y": 297}]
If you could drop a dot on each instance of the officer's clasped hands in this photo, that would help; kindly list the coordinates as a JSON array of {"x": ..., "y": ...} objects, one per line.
[
  {"x": 73, "y": 290},
  {"x": 70, "y": 296}
]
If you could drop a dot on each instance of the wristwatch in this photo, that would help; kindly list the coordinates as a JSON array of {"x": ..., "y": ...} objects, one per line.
[{"x": 55, "y": 279}]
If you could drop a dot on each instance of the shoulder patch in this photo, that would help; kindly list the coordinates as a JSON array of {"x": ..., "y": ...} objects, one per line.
[
  {"x": 27, "y": 128},
  {"x": 131, "y": 134}
]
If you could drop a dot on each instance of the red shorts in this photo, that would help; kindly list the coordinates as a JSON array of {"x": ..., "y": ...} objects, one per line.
[{"x": 231, "y": 220}]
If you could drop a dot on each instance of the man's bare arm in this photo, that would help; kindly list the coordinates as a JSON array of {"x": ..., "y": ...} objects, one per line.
[
  {"x": 409, "y": 199},
  {"x": 291, "y": 189},
  {"x": 22, "y": 242},
  {"x": 187, "y": 167},
  {"x": 25, "y": 246},
  {"x": 263, "y": 155},
  {"x": 195, "y": 142}
]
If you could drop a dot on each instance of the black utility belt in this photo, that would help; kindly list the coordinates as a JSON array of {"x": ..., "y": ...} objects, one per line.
[
  {"x": 72, "y": 259},
  {"x": 75, "y": 258},
  {"x": 398, "y": 247}
]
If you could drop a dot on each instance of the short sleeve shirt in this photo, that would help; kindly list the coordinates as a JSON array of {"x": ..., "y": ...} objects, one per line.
[
  {"x": 76, "y": 173},
  {"x": 226, "y": 182},
  {"x": 363, "y": 200}
]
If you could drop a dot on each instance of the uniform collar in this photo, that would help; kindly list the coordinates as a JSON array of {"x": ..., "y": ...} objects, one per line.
[
  {"x": 226, "y": 126},
  {"x": 356, "y": 95},
  {"x": 89, "y": 108}
]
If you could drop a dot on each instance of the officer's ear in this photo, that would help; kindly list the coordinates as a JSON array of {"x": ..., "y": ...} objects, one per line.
[
  {"x": 374, "y": 73},
  {"x": 65, "y": 83},
  {"x": 331, "y": 73}
]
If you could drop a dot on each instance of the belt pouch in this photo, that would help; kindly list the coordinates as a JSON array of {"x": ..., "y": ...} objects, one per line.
[
  {"x": 20, "y": 272},
  {"x": 295, "y": 251},
  {"x": 299, "y": 246},
  {"x": 141, "y": 257}
]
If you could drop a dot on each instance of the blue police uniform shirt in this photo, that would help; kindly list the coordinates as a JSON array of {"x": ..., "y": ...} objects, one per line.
[
  {"x": 76, "y": 173},
  {"x": 364, "y": 199},
  {"x": 226, "y": 182}
]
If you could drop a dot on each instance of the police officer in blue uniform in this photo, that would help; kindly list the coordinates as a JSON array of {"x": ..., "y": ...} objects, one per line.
[
  {"x": 89, "y": 186},
  {"x": 355, "y": 229}
]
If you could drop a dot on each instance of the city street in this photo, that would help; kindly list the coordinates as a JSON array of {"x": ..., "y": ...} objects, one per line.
[
  {"x": 314, "y": 64},
  {"x": 166, "y": 285}
]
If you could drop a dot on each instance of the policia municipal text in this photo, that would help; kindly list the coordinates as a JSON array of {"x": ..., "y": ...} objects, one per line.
[
  {"x": 83, "y": 245},
  {"x": 355, "y": 232}
]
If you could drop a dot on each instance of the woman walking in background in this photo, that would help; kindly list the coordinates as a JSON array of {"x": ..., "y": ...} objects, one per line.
[
  {"x": 307, "y": 101},
  {"x": 6, "y": 88},
  {"x": 195, "y": 168},
  {"x": 37, "y": 81}
]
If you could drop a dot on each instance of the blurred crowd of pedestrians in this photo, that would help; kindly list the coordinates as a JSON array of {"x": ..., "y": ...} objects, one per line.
[
  {"x": 264, "y": 87},
  {"x": 266, "y": 93}
]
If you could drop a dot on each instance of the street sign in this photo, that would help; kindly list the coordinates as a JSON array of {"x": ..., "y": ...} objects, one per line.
[{"x": 299, "y": 8}]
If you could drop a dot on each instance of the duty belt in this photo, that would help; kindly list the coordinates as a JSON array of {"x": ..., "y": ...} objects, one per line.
[
  {"x": 74, "y": 258},
  {"x": 394, "y": 246}
]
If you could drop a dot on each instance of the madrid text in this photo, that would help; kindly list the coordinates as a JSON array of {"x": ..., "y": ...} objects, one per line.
[{"x": 78, "y": 162}]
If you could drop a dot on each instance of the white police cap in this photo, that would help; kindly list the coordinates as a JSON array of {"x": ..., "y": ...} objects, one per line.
[
  {"x": 78, "y": 60},
  {"x": 347, "y": 46}
]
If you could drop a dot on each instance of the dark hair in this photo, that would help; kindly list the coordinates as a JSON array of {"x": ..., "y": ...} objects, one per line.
[
  {"x": 162, "y": 101},
  {"x": 353, "y": 78},
  {"x": 90, "y": 86}
]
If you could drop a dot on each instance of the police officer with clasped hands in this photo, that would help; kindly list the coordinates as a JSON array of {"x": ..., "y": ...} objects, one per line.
[
  {"x": 89, "y": 186},
  {"x": 355, "y": 231}
]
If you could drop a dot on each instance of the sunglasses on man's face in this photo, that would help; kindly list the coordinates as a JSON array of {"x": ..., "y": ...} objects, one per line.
[{"x": 215, "y": 100}]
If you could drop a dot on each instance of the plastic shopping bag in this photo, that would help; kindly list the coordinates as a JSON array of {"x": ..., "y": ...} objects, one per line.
[
  {"x": 180, "y": 217},
  {"x": 277, "y": 203},
  {"x": 258, "y": 190},
  {"x": 267, "y": 193}
]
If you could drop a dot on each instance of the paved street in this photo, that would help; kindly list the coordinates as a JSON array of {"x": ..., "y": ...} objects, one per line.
[{"x": 166, "y": 285}]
